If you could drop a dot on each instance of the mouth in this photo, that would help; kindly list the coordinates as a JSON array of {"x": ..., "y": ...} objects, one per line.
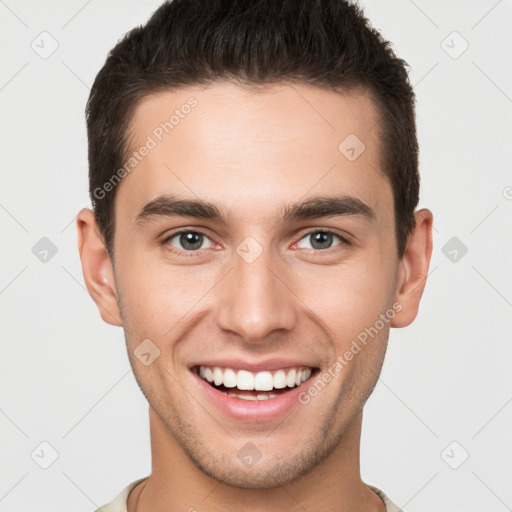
[{"x": 254, "y": 386}]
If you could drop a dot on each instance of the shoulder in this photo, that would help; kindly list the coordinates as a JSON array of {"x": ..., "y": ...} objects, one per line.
[
  {"x": 118, "y": 504},
  {"x": 390, "y": 506}
]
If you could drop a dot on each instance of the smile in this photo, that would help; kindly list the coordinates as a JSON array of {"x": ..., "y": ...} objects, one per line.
[{"x": 247, "y": 385}]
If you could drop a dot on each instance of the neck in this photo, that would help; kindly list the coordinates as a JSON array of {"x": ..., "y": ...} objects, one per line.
[{"x": 176, "y": 483}]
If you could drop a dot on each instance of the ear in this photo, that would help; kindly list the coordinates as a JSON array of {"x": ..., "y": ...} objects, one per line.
[
  {"x": 97, "y": 267},
  {"x": 413, "y": 269}
]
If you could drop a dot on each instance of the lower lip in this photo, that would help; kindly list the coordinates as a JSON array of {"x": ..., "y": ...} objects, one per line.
[{"x": 253, "y": 411}]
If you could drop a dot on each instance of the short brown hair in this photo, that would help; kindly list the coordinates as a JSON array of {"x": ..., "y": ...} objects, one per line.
[{"x": 326, "y": 43}]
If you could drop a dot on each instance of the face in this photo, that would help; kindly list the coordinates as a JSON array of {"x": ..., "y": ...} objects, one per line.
[{"x": 253, "y": 247}]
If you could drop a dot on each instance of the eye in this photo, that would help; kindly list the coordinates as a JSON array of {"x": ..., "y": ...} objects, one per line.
[
  {"x": 187, "y": 241},
  {"x": 321, "y": 240}
]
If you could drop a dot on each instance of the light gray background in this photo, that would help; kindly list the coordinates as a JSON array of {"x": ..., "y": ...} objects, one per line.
[{"x": 65, "y": 375}]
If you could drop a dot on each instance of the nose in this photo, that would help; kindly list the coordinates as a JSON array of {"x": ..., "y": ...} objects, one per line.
[{"x": 255, "y": 299}]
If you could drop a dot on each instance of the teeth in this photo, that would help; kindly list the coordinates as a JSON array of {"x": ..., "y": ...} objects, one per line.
[
  {"x": 208, "y": 373},
  {"x": 229, "y": 379},
  {"x": 218, "y": 376},
  {"x": 290, "y": 378},
  {"x": 263, "y": 381},
  {"x": 243, "y": 397},
  {"x": 259, "y": 381},
  {"x": 261, "y": 396},
  {"x": 245, "y": 380},
  {"x": 280, "y": 379}
]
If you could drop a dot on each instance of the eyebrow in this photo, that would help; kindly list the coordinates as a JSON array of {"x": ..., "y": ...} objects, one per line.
[{"x": 314, "y": 208}]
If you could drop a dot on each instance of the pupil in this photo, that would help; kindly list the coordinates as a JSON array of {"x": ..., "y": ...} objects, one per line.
[
  {"x": 323, "y": 239},
  {"x": 192, "y": 240}
]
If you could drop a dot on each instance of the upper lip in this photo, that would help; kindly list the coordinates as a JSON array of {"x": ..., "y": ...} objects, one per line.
[{"x": 254, "y": 366}]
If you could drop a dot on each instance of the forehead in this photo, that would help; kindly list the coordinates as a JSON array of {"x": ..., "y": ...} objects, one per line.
[{"x": 250, "y": 149}]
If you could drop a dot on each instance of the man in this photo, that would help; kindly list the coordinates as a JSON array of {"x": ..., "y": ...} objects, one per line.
[{"x": 254, "y": 178}]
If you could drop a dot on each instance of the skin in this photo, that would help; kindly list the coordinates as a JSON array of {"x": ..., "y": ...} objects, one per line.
[{"x": 252, "y": 152}]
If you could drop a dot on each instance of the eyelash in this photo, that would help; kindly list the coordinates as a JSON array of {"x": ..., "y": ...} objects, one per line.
[{"x": 340, "y": 246}]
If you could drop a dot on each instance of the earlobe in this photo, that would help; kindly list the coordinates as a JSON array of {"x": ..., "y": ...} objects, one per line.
[
  {"x": 413, "y": 270},
  {"x": 97, "y": 268}
]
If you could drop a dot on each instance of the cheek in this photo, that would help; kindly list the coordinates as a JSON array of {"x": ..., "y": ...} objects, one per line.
[
  {"x": 157, "y": 297},
  {"x": 350, "y": 297}
]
